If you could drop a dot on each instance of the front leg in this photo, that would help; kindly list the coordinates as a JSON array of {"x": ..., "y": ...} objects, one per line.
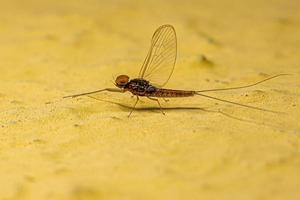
[{"x": 97, "y": 91}]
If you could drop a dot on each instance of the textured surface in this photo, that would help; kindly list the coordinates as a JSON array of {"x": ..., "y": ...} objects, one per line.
[{"x": 54, "y": 148}]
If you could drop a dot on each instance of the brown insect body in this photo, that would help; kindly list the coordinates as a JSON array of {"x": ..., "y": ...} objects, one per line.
[
  {"x": 161, "y": 92},
  {"x": 143, "y": 87},
  {"x": 140, "y": 87}
]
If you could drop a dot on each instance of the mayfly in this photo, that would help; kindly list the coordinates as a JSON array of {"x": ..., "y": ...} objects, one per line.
[{"x": 156, "y": 71}]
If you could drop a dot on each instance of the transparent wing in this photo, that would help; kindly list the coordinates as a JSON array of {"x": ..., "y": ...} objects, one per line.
[{"x": 160, "y": 61}]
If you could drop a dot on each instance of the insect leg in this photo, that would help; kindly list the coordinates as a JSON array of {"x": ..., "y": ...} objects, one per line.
[
  {"x": 93, "y": 92},
  {"x": 158, "y": 104},
  {"x": 133, "y": 108}
]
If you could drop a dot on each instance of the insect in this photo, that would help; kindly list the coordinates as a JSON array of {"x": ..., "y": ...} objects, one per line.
[{"x": 156, "y": 71}]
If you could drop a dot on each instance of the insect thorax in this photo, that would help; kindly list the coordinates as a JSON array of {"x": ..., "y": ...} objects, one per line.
[{"x": 140, "y": 87}]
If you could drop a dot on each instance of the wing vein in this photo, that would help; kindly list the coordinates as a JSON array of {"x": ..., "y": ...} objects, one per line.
[{"x": 159, "y": 63}]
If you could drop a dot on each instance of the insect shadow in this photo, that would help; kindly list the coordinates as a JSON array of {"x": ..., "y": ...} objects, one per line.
[
  {"x": 153, "y": 108},
  {"x": 126, "y": 107}
]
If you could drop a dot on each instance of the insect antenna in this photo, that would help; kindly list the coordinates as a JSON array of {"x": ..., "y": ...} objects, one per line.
[{"x": 113, "y": 80}]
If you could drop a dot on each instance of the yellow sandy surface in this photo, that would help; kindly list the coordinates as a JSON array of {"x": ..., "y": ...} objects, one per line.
[{"x": 55, "y": 148}]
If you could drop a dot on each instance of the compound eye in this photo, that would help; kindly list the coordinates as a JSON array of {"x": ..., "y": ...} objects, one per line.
[{"x": 122, "y": 80}]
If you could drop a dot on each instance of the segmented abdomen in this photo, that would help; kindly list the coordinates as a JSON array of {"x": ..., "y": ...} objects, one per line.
[{"x": 172, "y": 93}]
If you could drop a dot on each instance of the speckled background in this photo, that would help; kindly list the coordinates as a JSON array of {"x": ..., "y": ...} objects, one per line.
[{"x": 55, "y": 148}]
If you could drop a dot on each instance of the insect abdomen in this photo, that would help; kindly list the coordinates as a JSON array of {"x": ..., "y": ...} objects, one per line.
[{"x": 172, "y": 93}]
